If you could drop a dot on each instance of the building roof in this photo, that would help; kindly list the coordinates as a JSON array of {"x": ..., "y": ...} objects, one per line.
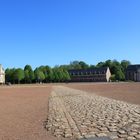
[
  {"x": 133, "y": 67},
  {"x": 92, "y": 70}
]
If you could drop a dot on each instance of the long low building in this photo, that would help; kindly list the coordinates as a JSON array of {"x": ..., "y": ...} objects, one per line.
[
  {"x": 2, "y": 75},
  {"x": 133, "y": 73},
  {"x": 90, "y": 75}
]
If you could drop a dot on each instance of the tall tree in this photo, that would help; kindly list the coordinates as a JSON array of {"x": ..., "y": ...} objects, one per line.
[
  {"x": 66, "y": 76},
  {"x": 8, "y": 75},
  {"x": 27, "y": 77},
  {"x": 100, "y": 64},
  {"x": 83, "y": 65},
  {"x": 92, "y": 66},
  {"x": 108, "y": 63},
  {"x": 124, "y": 64},
  {"x": 120, "y": 75},
  {"x": 29, "y": 74},
  {"x": 39, "y": 75},
  {"x": 18, "y": 75},
  {"x": 27, "y": 67},
  {"x": 75, "y": 65}
]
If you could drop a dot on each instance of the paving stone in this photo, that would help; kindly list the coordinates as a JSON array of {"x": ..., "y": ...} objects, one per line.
[
  {"x": 137, "y": 136},
  {"x": 101, "y": 135},
  {"x": 132, "y": 133},
  {"x": 130, "y": 138},
  {"x": 90, "y": 136},
  {"x": 67, "y": 135},
  {"x": 76, "y": 114},
  {"x": 122, "y": 132}
]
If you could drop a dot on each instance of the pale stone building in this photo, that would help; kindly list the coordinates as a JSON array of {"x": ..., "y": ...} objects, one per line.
[
  {"x": 2, "y": 75},
  {"x": 90, "y": 75}
]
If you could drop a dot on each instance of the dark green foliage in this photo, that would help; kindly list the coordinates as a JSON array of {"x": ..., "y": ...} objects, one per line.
[
  {"x": 60, "y": 75},
  {"x": 18, "y": 75},
  {"x": 27, "y": 77},
  {"x": 66, "y": 75},
  {"x": 9, "y": 75},
  {"x": 78, "y": 65},
  {"x": 100, "y": 64},
  {"x": 39, "y": 75},
  {"x": 83, "y": 65},
  {"x": 124, "y": 64},
  {"x": 32, "y": 76},
  {"x": 117, "y": 69},
  {"x": 113, "y": 78},
  {"x": 28, "y": 67},
  {"x": 119, "y": 75},
  {"x": 29, "y": 74},
  {"x": 92, "y": 66}
]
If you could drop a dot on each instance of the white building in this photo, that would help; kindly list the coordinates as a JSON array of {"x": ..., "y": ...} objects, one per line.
[{"x": 2, "y": 75}]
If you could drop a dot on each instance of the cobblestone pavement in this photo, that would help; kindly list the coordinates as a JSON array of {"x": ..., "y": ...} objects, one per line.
[{"x": 75, "y": 114}]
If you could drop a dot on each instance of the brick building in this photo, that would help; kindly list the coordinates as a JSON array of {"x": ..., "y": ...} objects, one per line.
[
  {"x": 2, "y": 75},
  {"x": 133, "y": 73},
  {"x": 90, "y": 75}
]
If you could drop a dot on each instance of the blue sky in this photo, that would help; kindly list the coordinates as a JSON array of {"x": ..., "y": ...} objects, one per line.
[{"x": 51, "y": 32}]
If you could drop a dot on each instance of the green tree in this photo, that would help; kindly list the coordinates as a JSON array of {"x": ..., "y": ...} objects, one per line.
[
  {"x": 113, "y": 78},
  {"x": 120, "y": 75},
  {"x": 55, "y": 77},
  {"x": 115, "y": 66},
  {"x": 29, "y": 74},
  {"x": 27, "y": 77},
  {"x": 39, "y": 75},
  {"x": 48, "y": 72},
  {"x": 108, "y": 63},
  {"x": 60, "y": 75},
  {"x": 92, "y": 66},
  {"x": 75, "y": 65},
  {"x": 45, "y": 70},
  {"x": 27, "y": 67},
  {"x": 117, "y": 70},
  {"x": 66, "y": 67},
  {"x": 18, "y": 75},
  {"x": 83, "y": 65},
  {"x": 9, "y": 75},
  {"x": 125, "y": 64},
  {"x": 66, "y": 76},
  {"x": 100, "y": 64}
]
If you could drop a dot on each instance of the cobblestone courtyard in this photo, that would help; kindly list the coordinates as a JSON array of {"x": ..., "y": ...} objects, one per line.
[{"x": 75, "y": 114}]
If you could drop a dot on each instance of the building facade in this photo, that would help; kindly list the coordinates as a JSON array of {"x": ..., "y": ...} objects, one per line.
[
  {"x": 2, "y": 75},
  {"x": 133, "y": 73},
  {"x": 90, "y": 75}
]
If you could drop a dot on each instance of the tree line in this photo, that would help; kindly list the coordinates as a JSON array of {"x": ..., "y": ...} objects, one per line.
[
  {"x": 60, "y": 73},
  {"x": 41, "y": 74}
]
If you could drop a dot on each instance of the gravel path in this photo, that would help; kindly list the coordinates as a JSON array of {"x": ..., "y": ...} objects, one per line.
[
  {"x": 77, "y": 115},
  {"x": 23, "y": 110}
]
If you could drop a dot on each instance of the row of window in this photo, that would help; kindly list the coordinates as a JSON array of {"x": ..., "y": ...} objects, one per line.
[
  {"x": 88, "y": 79},
  {"x": 87, "y": 73},
  {"x": 89, "y": 76}
]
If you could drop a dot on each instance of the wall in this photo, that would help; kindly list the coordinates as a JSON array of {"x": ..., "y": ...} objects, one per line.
[{"x": 2, "y": 75}]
